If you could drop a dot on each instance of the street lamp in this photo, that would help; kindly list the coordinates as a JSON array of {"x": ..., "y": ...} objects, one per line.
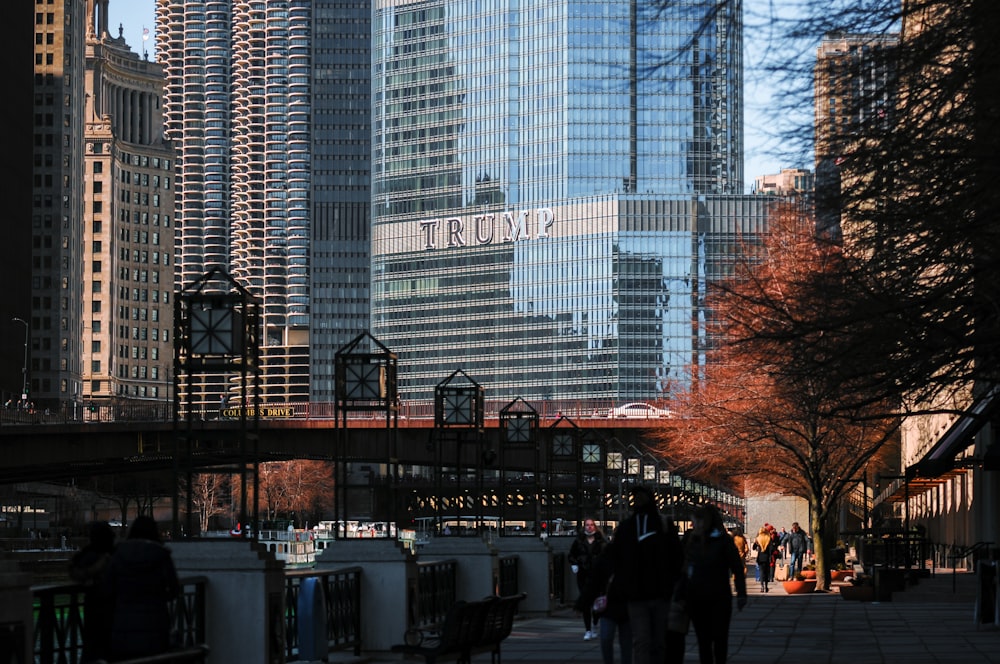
[{"x": 24, "y": 366}]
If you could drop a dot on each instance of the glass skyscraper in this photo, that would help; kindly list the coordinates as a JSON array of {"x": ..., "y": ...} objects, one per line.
[{"x": 553, "y": 184}]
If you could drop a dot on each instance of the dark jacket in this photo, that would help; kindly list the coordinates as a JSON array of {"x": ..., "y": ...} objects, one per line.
[
  {"x": 708, "y": 564},
  {"x": 797, "y": 541},
  {"x": 583, "y": 553},
  {"x": 142, "y": 580},
  {"x": 603, "y": 582},
  {"x": 89, "y": 567},
  {"x": 647, "y": 556}
]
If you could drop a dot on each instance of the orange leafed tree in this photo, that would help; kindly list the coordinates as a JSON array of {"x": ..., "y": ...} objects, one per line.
[
  {"x": 302, "y": 487},
  {"x": 769, "y": 409}
]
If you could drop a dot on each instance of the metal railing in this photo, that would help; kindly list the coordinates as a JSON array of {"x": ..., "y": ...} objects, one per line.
[
  {"x": 342, "y": 599},
  {"x": 557, "y": 578},
  {"x": 506, "y": 583},
  {"x": 58, "y": 619},
  {"x": 436, "y": 590}
]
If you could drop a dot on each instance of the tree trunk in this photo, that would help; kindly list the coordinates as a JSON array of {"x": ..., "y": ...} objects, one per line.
[{"x": 818, "y": 527}]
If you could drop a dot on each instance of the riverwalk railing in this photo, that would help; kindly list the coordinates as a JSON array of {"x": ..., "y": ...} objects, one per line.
[
  {"x": 507, "y": 572},
  {"x": 59, "y": 616},
  {"x": 436, "y": 591},
  {"x": 342, "y": 598}
]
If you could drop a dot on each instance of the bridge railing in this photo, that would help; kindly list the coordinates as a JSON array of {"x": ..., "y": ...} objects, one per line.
[{"x": 160, "y": 411}]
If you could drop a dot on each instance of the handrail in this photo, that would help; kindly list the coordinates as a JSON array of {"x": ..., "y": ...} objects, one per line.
[
  {"x": 58, "y": 616},
  {"x": 963, "y": 553},
  {"x": 342, "y": 598}
]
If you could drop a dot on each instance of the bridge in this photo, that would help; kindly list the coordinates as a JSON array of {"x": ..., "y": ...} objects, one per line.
[
  {"x": 54, "y": 449},
  {"x": 578, "y": 460}
]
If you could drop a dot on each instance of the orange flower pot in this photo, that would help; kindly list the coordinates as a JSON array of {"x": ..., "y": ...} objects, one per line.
[
  {"x": 799, "y": 587},
  {"x": 809, "y": 573}
]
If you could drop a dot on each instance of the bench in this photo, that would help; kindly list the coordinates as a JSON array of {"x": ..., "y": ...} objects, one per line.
[{"x": 469, "y": 628}]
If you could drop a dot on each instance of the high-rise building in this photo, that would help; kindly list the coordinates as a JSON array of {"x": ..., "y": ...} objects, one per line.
[
  {"x": 54, "y": 278},
  {"x": 128, "y": 237},
  {"x": 853, "y": 100},
  {"x": 553, "y": 185},
  {"x": 268, "y": 105}
]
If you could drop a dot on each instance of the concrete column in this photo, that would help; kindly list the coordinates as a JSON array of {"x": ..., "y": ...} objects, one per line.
[
  {"x": 16, "y": 611},
  {"x": 534, "y": 559},
  {"x": 477, "y": 564},
  {"x": 245, "y": 610},
  {"x": 389, "y": 575}
]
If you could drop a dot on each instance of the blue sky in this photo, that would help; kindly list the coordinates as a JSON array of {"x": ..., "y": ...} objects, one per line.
[{"x": 134, "y": 15}]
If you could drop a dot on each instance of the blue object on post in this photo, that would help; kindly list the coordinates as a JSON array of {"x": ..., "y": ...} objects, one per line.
[{"x": 313, "y": 642}]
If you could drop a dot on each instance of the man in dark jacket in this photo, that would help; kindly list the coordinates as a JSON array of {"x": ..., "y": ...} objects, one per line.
[
  {"x": 648, "y": 560},
  {"x": 798, "y": 546}
]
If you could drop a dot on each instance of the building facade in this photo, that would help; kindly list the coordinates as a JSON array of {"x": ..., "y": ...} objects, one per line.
[
  {"x": 54, "y": 323},
  {"x": 128, "y": 244},
  {"x": 268, "y": 105},
  {"x": 854, "y": 101},
  {"x": 552, "y": 186}
]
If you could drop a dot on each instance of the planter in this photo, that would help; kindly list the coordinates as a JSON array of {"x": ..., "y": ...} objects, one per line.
[
  {"x": 841, "y": 574},
  {"x": 809, "y": 573},
  {"x": 858, "y": 593},
  {"x": 799, "y": 587}
]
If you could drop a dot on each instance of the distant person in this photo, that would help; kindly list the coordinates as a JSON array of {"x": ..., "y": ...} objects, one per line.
[
  {"x": 765, "y": 547},
  {"x": 797, "y": 545},
  {"x": 583, "y": 554},
  {"x": 647, "y": 559},
  {"x": 710, "y": 558},
  {"x": 142, "y": 581},
  {"x": 89, "y": 567},
  {"x": 613, "y": 620},
  {"x": 742, "y": 546}
]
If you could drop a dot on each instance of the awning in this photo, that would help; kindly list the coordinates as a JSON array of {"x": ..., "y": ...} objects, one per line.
[
  {"x": 898, "y": 490},
  {"x": 940, "y": 459}
]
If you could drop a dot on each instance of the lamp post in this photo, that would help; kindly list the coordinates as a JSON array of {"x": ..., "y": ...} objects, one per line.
[{"x": 24, "y": 366}]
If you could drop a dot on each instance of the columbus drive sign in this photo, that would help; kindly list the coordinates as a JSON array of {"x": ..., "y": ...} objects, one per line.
[{"x": 486, "y": 228}]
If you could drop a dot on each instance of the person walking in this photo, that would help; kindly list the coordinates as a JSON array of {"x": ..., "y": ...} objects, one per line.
[
  {"x": 797, "y": 544},
  {"x": 89, "y": 567},
  {"x": 742, "y": 546},
  {"x": 613, "y": 620},
  {"x": 583, "y": 554},
  {"x": 647, "y": 561},
  {"x": 710, "y": 558},
  {"x": 142, "y": 580},
  {"x": 765, "y": 546}
]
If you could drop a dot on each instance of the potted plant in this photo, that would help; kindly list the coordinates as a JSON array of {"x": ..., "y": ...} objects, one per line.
[
  {"x": 809, "y": 571},
  {"x": 841, "y": 572},
  {"x": 799, "y": 585}
]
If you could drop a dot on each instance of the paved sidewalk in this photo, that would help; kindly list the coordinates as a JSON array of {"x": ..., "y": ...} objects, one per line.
[{"x": 929, "y": 624}]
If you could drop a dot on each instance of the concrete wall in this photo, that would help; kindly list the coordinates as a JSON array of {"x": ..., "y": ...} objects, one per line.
[
  {"x": 388, "y": 577},
  {"x": 779, "y": 511},
  {"x": 245, "y": 607}
]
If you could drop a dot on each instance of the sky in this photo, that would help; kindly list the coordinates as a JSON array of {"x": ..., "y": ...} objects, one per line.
[{"x": 759, "y": 148}]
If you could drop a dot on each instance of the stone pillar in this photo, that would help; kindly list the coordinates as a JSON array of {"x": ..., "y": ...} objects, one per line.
[
  {"x": 16, "y": 637},
  {"x": 389, "y": 574},
  {"x": 245, "y": 604},
  {"x": 478, "y": 566},
  {"x": 534, "y": 561}
]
